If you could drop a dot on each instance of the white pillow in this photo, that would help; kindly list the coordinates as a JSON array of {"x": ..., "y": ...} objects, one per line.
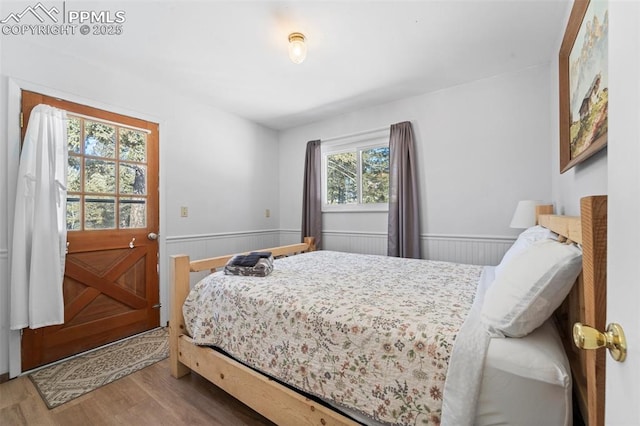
[
  {"x": 531, "y": 286},
  {"x": 524, "y": 241}
]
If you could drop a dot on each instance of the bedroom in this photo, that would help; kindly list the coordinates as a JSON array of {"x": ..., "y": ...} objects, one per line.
[{"x": 484, "y": 168}]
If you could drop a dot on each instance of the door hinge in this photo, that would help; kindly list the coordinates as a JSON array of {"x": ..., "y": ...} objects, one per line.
[
  {"x": 21, "y": 119},
  {"x": 157, "y": 306}
]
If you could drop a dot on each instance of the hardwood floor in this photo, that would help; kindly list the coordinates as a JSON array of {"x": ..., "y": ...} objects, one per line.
[{"x": 147, "y": 397}]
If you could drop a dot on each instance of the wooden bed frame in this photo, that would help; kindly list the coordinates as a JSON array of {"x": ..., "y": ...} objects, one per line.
[{"x": 586, "y": 303}]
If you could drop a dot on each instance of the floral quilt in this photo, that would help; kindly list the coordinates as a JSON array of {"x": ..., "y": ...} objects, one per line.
[{"x": 370, "y": 333}]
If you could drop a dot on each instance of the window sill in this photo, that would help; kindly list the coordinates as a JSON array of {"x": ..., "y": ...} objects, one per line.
[{"x": 356, "y": 209}]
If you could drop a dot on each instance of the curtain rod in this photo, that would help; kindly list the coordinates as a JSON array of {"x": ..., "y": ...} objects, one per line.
[
  {"x": 351, "y": 135},
  {"x": 102, "y": 120}
]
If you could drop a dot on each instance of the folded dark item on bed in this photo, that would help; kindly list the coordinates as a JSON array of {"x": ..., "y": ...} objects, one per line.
[
  {"x": 249, "y": 265},
  {"x": 247, "y": 260},
  {"x": 262, "y": 254}
]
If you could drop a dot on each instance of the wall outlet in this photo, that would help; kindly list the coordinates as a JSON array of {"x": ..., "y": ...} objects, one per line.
[
  {"x": 184, "y": 211},
  {"x": 267, "y": 213}
]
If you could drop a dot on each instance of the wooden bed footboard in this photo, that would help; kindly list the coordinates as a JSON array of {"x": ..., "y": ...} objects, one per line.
[{"x": 268, "y": 397}]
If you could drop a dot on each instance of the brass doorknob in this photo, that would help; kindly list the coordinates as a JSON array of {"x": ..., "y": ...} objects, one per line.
[{"x": 586, "y": 337}]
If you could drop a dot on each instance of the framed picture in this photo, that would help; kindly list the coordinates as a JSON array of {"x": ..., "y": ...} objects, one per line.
[{"x": 584, "y": 82}]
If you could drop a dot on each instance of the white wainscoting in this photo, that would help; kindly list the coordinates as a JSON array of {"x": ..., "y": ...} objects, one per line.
[
  {"x": 289, "y": 236},
  {"x": 355, "y": 242},
  {"x": 470, "y": 249}
]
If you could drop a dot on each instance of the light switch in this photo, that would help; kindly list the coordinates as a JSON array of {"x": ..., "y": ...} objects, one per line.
[
  {"x": 267, "y": 213},
  {"x": 184, "y": 211}
]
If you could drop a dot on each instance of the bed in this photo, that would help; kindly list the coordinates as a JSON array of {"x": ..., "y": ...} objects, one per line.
[{"x": 516, "y": 379}]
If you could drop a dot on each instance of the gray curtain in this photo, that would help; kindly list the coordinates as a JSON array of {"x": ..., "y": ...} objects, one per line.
[
  {"x": 311, "y": 195},
  {"x": 404, "y": 217}
]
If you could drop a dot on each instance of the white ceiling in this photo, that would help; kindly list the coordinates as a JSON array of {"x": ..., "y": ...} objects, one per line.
[{"x": 233, "y": 54}]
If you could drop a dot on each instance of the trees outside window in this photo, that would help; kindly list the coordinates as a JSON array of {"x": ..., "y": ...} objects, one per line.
[{"x": 356, "y": 177}]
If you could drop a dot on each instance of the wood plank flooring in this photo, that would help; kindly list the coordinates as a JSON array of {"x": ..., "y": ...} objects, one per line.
[{"x": 147, "y": 397}]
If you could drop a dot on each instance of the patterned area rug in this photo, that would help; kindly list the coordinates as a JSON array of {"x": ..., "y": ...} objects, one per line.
[{"x": 70, "y": 379}]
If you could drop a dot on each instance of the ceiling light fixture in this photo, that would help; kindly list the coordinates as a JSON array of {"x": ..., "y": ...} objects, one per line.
[{"x": 297, "y": 48}]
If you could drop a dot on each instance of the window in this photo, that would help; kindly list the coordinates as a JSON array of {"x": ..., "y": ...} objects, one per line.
[
  {"x": 106, "y": 178},
  {"x": 356, "y": 175}
]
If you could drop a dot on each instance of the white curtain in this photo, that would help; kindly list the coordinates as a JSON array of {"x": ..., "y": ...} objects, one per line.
[{"x": 40, "y": 231}]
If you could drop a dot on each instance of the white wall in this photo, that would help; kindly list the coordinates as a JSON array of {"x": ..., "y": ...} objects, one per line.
[
  {"x": 481, "y": 147},
  {"x": 219, "y": 165}
]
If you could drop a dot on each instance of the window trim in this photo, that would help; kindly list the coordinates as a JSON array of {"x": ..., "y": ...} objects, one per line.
[{"x": 358, "y": 143}]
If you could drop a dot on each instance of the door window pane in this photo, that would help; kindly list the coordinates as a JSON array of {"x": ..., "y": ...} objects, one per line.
[
  {"x": 73, "y": 174},
  {"x": 133, "y": 213},
  {"x": 100, "y": 212},
  {"x": 99, "y": 139},
  {"x": 100, "y": 176},
  {"x": 342, "y": 183},
  {"x": 74, "y": 213},
  {"x": 133, "y": 145},
  {"x": 133, "y": 179},
  {"x": 73, "y": 134},
  {"x": 375, "y": 175}
]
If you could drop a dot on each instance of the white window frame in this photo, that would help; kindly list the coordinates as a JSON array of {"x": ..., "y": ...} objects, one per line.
[{"x": 354, "y": 143}]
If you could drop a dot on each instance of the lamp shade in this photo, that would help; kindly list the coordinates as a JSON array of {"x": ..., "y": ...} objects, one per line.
[{"x": 525, "y": 214}]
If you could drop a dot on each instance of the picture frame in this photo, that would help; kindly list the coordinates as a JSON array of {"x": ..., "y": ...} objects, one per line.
[{"x": 583, "y": 83}]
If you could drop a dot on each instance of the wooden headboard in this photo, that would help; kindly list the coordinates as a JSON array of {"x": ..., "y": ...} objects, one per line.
[{"x": 587, "y": 301}]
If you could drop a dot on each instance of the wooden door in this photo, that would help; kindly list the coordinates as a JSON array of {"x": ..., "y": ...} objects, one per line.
[{"x": 110, "y": 284}]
